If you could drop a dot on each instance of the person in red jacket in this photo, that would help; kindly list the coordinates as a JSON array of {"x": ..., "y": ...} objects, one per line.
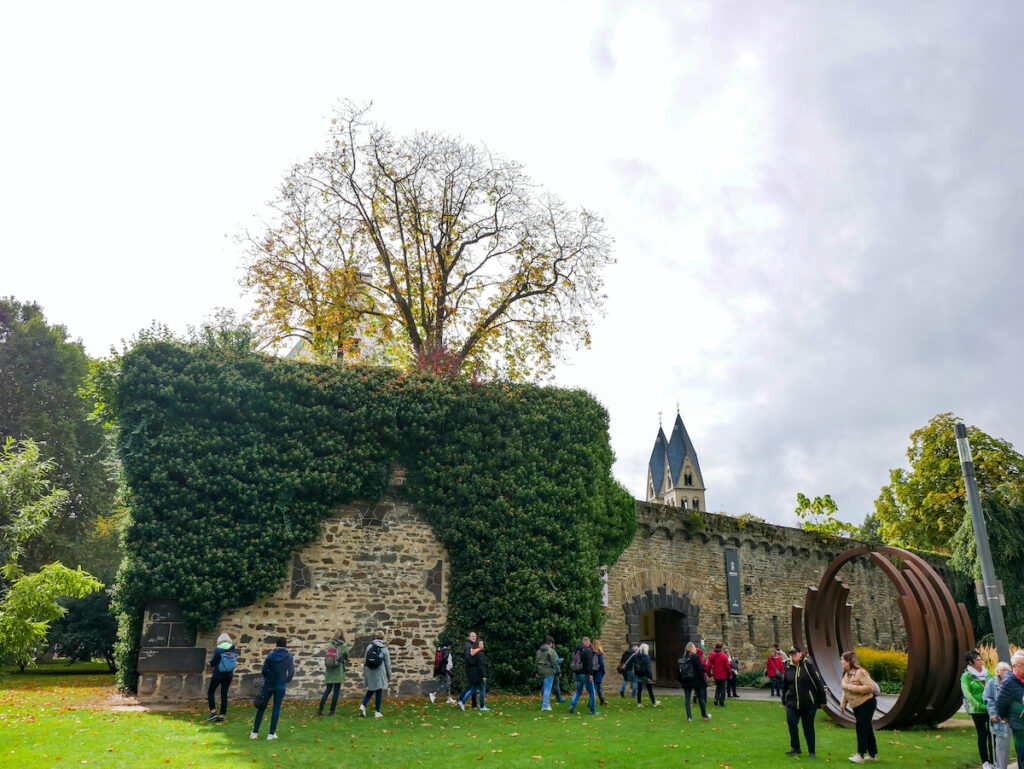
[
  {"x": 719, "y": 663},
  {"x": 775, "y": 670}
]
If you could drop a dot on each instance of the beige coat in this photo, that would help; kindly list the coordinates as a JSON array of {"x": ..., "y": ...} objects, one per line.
[{"x": 858, "y": 688}]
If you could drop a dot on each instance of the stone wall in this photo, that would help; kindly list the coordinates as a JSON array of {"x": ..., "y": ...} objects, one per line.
[
  {"x": 679, "y": 557},
  {"x": 376, "y": 566}
]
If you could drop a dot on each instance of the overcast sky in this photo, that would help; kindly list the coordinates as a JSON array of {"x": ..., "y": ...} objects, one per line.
[{"x": 813, "y": 203}]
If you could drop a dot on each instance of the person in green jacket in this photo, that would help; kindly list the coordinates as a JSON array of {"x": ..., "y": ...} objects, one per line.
[
  {"x": 545, "y": 665},
  {"x": 972, "y": 684},
  {"x": 335, "y": 657}
]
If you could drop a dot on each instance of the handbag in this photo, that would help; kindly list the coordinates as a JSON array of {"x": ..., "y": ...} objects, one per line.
[{"x": 262, "y": 698}]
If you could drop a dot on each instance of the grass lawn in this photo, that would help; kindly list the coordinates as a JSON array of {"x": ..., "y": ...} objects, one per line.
[{"x": 48, "y": 721}]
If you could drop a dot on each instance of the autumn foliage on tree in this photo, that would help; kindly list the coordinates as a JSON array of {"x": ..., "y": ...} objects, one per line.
[
  {"x": 925, "y": 506},
  {"x": 430, "y": 249}
]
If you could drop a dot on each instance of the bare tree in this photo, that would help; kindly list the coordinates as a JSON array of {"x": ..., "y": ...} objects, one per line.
[{"x": 431, "y": 247}]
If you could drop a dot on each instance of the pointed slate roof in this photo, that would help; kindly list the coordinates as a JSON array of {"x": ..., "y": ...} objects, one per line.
[
  {"x": 679, "y": 446},
  {"x": 657, "y": 464}
]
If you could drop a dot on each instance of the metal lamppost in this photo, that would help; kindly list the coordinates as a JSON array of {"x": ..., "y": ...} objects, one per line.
[{"x": 990, "y": 584}]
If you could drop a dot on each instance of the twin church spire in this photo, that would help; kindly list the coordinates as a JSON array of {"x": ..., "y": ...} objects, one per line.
[{"x": 673, "y": 474}]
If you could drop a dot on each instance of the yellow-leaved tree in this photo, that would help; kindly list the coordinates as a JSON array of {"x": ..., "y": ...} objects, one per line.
[{"x": 424, "y": 250}]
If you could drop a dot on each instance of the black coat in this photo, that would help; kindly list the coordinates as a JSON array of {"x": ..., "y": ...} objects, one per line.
[
  {"x": 802, "y": 687},
  {"x": 690, "y": 671}
]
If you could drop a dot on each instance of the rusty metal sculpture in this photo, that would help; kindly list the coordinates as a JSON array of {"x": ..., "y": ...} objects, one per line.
[{"x": 939, "y": 633}]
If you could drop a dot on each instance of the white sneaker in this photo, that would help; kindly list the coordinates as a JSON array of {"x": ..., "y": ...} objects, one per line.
[
  {"x": 431, "y": 696},
  {"x": 657, "y": 703},
  {"x": 481, "y": 710},
  {"x": 639, "y": 704},
  {"x": 462, "y": 706},
  {"x": 985, "y": 765},
  {"x": 378, "y": 714},
  {"x": 857, "y": 758},
  {"x": 271, "y": 736},
  {"x": 452, "y": 701},
  {"x": 547, "y": 708},
  {"x": 362, "y": 710},
  {"x": 253, "y": 736}
]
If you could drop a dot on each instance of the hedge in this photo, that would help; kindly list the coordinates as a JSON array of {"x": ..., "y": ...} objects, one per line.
[{"x": 232, "y": 460}]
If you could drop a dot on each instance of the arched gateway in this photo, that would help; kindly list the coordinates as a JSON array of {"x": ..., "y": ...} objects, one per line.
[{"x": 666, "y": 621}]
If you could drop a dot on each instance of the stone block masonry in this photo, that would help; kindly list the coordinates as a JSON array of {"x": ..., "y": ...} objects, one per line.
[
  {"x": 376, "y": 566},
  {"x": 677, "y": 560}
]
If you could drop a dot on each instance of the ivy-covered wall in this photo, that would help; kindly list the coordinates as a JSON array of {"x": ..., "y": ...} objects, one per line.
[{"x": 233, "y": 460}]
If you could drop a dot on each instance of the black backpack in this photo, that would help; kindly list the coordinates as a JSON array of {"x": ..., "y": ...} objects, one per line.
[{"x": 374, "y": 656}]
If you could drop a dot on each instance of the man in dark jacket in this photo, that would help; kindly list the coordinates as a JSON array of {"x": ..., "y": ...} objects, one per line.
[
  {"x": 278, "y": 670},
  {"x": 1010, "y": 703},
  {"x": 582, "y": 663},
  {"x": 469, "y": 652},
  {"x": 803, "y": 692}
]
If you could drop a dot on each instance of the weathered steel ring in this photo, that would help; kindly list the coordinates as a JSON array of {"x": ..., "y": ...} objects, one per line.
[{"x": 939, "y": 633}]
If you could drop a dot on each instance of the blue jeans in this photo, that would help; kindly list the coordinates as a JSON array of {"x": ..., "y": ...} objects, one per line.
[
  {"x": 377, "y": 694},
  {"x": 581, "y": 681},
  {"x": 546, "y": 697},
  {"x": 274, "y": 714},
  {"x": 631, "y": 680},
  {"x": 472, "y": 690}
]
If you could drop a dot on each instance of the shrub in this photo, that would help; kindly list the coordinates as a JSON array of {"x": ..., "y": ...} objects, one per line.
[
  {"x": 755, "y": 680},
  {"x": 883, "y": 664}
]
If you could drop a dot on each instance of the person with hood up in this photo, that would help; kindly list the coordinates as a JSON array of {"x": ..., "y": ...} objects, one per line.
[
  {"x": 376, "y": 674},
  {"x": 223, "y": 662},
  {"x": 803, "y": 692},
  {"x": 278, "y": 670},
  {"x": 545, "y": 666},
  {"x": 335, "y": 657}
]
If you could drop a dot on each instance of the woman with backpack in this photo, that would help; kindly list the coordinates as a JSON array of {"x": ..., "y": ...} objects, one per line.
[
  {"x": 644, "y": 675},
  {"x": 693, "y": 679},
  {"x": 223, "y": 662},
  {"x": 335, "y": 657},
  {"x": 443, "y": 672},
  {"x": 376, "y": 674}
]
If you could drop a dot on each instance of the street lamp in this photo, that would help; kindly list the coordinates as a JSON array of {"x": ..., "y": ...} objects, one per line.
[{"x": 990, "y": 585}]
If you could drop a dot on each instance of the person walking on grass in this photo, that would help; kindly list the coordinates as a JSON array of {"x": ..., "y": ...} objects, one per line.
[
  {"x": 859, "y": 692},
  {"x": 719, "y": 662},
  {"x": 443, "y": 672},
  {"x": 599, "y": 669},
  {"x": 476, "y": 674},
  {"x": 545, "y": 667},
  {"x": 644, "y": 675},
  {"x": 376, "y": 674},
  {"x": 278, "y": 670},
  {"x": 335, "y": 659},
  {"x": 803, "y": 692},
  {"x": 972, "y": 684},
  {"x": 693, "y": 680},
  {"x": 626, "y": 669},
  {"x": 999, "y": 729},
  {"x": 582, "y": 664},
  {"x": 223, "y": 662},
  {"x": 1010, "y": 703}
]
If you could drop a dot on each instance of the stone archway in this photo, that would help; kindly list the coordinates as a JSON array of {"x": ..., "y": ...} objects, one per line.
[{"x": 674, "y": 621}]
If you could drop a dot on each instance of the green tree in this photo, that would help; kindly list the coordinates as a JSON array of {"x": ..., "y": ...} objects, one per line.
[
  {"x": 437, "y": 251},
  {"x": 88, "y": 630},
  {"x": 41, "y": 373},
  {"x": 29, "y": 601},
  {"x": 924, "y": 507},
  {"x": 1003, "y": 509},
  {"x": 819, "y": 514}
]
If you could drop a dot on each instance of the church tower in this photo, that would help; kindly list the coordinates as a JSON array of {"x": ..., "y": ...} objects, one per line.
[{"x": 673, "y": 474}]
